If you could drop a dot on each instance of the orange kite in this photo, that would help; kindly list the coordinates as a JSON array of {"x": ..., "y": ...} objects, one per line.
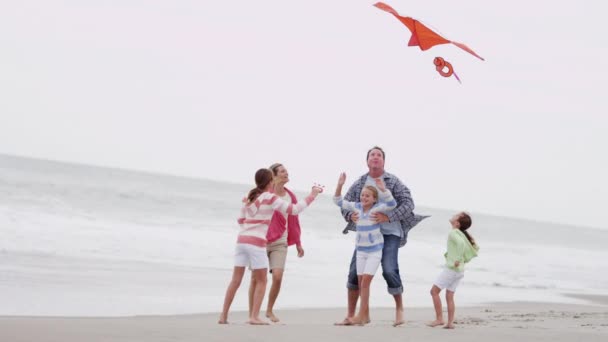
[{"x": 423, "y": 36}]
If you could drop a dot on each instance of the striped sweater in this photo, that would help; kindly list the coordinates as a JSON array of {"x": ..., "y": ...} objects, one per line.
[
  {"x": 255, "y": 217},
  {"x": 369, "y": 236}
]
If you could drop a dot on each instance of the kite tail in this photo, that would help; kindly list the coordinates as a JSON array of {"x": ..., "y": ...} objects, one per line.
[
  {"x": 457, "y": 78},
  {"x": 467, "y": 49}
]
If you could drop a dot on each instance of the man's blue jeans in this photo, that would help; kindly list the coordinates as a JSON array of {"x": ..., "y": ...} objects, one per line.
[{"x": 390, "y": 266}]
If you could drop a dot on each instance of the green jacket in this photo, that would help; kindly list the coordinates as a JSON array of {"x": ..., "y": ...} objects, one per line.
[{"x": 459, "y": 249}]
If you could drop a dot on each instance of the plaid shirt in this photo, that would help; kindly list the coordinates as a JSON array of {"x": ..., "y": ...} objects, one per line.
[{"x": 404, "y": 212}]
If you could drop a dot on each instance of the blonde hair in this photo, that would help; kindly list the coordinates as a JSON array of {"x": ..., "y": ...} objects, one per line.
[
  {"x": 373, "y": 190},
  {"x": 275, "y": 168}
]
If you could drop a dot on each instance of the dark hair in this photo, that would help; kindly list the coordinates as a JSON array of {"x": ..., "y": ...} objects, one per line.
[
  {"x": 376, "y": 148},
  {"x": 464, "y": 221},
  {"x": 275, "y": 168},
  {"x": 262, "y": 178}
]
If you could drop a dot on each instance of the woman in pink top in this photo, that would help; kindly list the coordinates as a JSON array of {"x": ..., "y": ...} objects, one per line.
[
  {"x": 284, "y": 231},
  {"x": 256, "y": 213}
]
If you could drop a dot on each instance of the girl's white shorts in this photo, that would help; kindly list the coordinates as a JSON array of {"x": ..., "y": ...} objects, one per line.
[
  {"x": 448, "y": 279},
  {"x": 251, "y": 256}
]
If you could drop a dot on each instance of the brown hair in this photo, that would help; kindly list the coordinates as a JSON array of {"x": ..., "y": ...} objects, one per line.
[
  {"x": 373, "y": 190},
  {"x": 263, "y": 177},
  {"x": 376, "y": 148},
  {"x": 464, "y": 221}
]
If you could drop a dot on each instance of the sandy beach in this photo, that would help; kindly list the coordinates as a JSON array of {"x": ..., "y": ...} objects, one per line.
[
  {"x": 131, "y": 132},
  {"x": 497, "y": 321},
  {"x": 94, "y": 254}
]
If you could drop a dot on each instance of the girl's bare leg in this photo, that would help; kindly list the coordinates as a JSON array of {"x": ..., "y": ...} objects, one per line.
[
  {"x": 258, "y": 296},
  {"x": 275, "y": 288},
  {"x": 363, "y": 316},
  {"x": 437, "y": 304},
  {"x": 237, "y": 277},
  {"x": 250, "y": 294},
  {"x": 366, "y": 281},
  {"x": 449, "y": 298}
]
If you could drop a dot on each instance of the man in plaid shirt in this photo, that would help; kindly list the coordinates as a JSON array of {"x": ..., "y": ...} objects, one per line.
[{"x": 394, "y": 227}]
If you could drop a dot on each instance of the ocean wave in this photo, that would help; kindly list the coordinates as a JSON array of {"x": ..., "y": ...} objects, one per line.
[{"x": 524, "y": 286}]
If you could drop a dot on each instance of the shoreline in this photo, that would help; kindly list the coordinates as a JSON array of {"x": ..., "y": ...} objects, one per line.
[
  {"x": 500, "y": 321},
  {"x": 584, "y": 300}
]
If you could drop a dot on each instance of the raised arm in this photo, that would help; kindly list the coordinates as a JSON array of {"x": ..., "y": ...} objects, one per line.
[
  {"x": 338, "y": 200},
  {"x": 341, "y": 181},
  {"x": 351, "y": 196},
  {"x": 294, "y": 209},
  {"x": 386, "y": 202}
]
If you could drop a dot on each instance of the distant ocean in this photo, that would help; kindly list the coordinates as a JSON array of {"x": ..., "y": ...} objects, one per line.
[{"x": 88, "y": 241}]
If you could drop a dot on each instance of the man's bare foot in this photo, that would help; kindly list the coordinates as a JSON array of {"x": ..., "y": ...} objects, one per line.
[
  {"x": 272, "y": 317},
  {"x": 223, "y": 320},
  {"x": 449, "y": 326},
  {"x": 435, "y": 323},
  {"x": 346, "y": 321},
  {"x": 257, "y": 321},
  {"x": 398, "y": 318}
]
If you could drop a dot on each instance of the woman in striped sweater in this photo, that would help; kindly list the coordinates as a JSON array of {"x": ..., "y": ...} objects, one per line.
[
  {"x": 283, "y": 231},
  {"x": 256, "y": 213}
]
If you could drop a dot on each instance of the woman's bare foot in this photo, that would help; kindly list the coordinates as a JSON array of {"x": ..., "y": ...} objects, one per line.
[
  {"x": 257, "y": 321},
  {"x": 435, "y": 323},
  {"x": 272, "y": 317},
  {"x": 222, "y": 320},
  {"x": 449, "y": 326},
  {"x": 357, "y": 321},
  {"x": 346, "y": 321}
]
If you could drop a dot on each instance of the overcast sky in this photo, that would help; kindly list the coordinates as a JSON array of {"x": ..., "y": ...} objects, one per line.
[{"x": 217, "y": 89}]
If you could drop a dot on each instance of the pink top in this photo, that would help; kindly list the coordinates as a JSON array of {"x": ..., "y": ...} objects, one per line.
[
  {"x": 255, "y": 217},
  {"x": 279, "y": 224}
]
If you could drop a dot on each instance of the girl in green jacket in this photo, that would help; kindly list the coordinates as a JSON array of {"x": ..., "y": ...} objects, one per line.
[{"x": 461, "y": 249}]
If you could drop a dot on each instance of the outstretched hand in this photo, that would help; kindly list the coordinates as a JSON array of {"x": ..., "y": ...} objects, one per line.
[{"x": 317, "y": 188}]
